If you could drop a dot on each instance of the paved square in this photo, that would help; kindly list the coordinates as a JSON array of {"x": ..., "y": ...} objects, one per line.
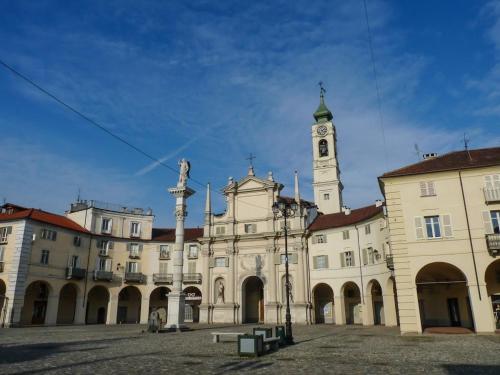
[{"x": 320, "y": 349}]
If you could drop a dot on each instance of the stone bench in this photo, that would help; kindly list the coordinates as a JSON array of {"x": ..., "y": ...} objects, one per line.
[
  {"x": 271, "y": 343},
  {"x": 217, "y": 335}
]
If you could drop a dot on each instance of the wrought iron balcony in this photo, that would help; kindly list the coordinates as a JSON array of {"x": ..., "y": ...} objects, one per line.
[
  {"x": 493, "y": 243},
  {"x": 75, "y": 273},
  {"x": 103, "y": 275},
  {"x": 135, "y": 277},
  {"x": 163, "y": 278},
  {"x": 135, "y": 254},
  {"x": 192, "y": 278},
  {"x": 1, "y": 266},
  {"x": 389, "y": 260},
  {"x": 491, "y": 195}
]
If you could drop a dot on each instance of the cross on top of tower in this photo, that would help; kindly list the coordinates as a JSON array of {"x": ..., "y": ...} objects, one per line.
[
  {"x": 322, "y": 90},
  {"x": 250, "y": 168},
  {"x": 250, "y": 158}
]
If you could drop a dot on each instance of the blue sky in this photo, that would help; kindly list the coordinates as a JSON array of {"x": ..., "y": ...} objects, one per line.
[{"x": 214, "y": 81}]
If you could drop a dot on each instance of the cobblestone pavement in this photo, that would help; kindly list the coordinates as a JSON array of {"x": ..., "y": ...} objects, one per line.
[{"x": 320, "y": 349}]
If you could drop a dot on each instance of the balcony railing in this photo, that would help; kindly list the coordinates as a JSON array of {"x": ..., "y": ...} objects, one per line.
[
  {"x": 389, "y": 260},
  {"x": 135, "y": 254},
  {"x": 135, "y": 277},
  {"x": 491, "y": 195},
  {"x": 163, "y": 278},
  {"x": 192, "y": 278},
  {"x": 75, "y": 273},
  {"x": 493, "y": 243},
  {"x": 1, "y": 266},
  {"x": 103, "y": 275}
]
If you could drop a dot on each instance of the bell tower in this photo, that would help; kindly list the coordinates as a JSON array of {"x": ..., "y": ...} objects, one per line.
[{"x": 326, "y": 173}]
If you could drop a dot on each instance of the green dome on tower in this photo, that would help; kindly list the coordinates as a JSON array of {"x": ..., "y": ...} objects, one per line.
[{"x": 322, "y": 114}]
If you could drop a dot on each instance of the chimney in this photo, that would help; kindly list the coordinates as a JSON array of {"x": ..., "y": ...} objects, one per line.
[
  {"x": 346, "y": 210},
  {"x": 430, "y": 155}
]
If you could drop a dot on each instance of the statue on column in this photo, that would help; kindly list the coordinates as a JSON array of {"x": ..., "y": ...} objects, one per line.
[{"x": 185, "y": 167}]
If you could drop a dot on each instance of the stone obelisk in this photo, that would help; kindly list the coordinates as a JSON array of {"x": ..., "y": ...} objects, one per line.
[{"x": 176, "y": 298}]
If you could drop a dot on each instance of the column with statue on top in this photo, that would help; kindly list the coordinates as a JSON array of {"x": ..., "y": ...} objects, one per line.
[{"x": 176, "y": 298}]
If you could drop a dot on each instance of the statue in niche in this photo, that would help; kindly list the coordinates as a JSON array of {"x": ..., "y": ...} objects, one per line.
[
  {"x": 184, "y": 167},
  {"x": 220, "y": 292}
]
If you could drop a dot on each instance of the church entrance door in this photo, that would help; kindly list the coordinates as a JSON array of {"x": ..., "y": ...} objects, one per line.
[{"x": 253, "y": 300}]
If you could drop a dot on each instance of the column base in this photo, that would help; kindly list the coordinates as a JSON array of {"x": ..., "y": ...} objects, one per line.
[
  {"x": 175, "y": 314},
  {"x": 175, "y": 328}
]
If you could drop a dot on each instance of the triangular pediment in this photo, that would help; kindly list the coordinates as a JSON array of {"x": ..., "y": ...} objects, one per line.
[{"x": 252, "y": 183}]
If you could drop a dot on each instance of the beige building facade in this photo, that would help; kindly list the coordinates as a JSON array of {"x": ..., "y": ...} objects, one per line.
[
  {"x": 443, "y": 216},
  {"x": 425, "y": 258}
]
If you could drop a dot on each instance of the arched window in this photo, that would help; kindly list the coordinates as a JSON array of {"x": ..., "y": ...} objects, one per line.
[{"x": 323, "y": 148}]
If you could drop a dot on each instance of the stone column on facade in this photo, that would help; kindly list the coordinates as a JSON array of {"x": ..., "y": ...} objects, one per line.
[
  {"x": 112, "y": 309},
  {"x": 481, "y": 309},
  {"x": 390, "y": 315},
  {"x": 367, "y": 310},
  {"x": 300, "y": 303},
  {"x": 339, "y": 307},
  {"x": 145, "y": 307},
  {"x": 80, "y": 310},
  {"x": 52, "y": 307},
  {"x": 176, "y": 298},
  {"x": 205, "y": 288},
  {"x": 272, "y": 303}
]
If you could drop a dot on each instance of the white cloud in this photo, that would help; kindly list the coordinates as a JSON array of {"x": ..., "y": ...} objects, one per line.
[{"x": 35, "y": 177}]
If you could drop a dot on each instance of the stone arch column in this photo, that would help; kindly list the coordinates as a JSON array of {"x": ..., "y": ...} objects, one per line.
[{"x": 390, "y": 308}]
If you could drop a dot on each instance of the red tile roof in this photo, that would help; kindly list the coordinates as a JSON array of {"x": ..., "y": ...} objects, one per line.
[
  {"x": 44, "y": 217},
  {"x": 340, "y": 219},
  {"x": 484, "y": 157},
  {"x": 168, "y": 234}
]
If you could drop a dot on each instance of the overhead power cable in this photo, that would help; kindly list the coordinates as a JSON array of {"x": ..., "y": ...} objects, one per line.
[
  {"x": 101, "y": 127},
  {"x": 379, "y": 100}
]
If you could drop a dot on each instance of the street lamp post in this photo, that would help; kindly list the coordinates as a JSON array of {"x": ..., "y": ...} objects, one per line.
[{"x": 286, "y": 210}]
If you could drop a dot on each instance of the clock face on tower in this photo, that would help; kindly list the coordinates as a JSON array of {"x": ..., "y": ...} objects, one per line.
[{"x": 322, "y": 130}]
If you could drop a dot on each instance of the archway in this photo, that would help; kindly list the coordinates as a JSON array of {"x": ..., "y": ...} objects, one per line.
[
  {"x": 377, "y": 302},
  {"x": 352, "y": 303},
  {"x": 253, "y": 300},
  {"x": 3, "y": 304},
  {"x": 492, "y": 279},
  {"x": 129, "y": 305},
  {"x": 192, "y": 306},
  {"x": 67, "y": 304},
  {"x": 35, "y": 303},
  {"x": 97, "y": 305},
  {"x": 158, "y": 299},
  {"x": 443, "y": 297},
  {"x": 323, "y": 304}
]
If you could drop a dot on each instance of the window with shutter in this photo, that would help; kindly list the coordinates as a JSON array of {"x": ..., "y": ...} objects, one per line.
[
  {"x": 419, "y": 229},
  {"x": 2, "y": 253},
  {"x": 432, "y": 226},
  {"x": 488, "y": 227},
  {"x": 345, "y": 234},
  {"x": 342, "y": 260},
  {"x": 427, "y": 189},
  {"x": 447, "y": 229},
  {"x": 492, "y": 181},
  {"x": 365, "y": 256},
  {"x": 3, "y": 235},
  {"x": 227, "y": 262},
  {"x": 495, "y": 221},
  {"x": 108, "y": 264},
  {"x": 191, "y": 267},
  {"x": 163, "y": 267}
]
